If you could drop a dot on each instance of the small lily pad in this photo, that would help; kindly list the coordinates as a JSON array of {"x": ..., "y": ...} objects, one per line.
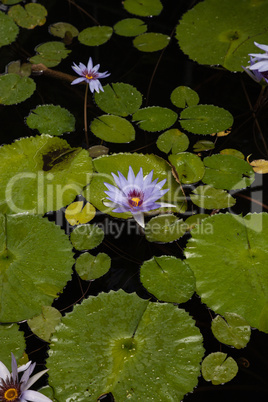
[
  {"x": 233, "y": 152},
  {"x": 165, "y": 228},
  {"x": 151, "y": 42},
  {"x": 172, "y": 140},
  {"x": 86, "y": 237},
  {"x": 227, "y": 172},
  {"x": 50, "y": 119},
  {"x": 218, "y": 368},
  {"x": 29, "y": 16},
  {"x": 50, "y": 54},
  {"x": 168, "y": 278},
  {"x": 235, "y": 331},
  {"x": 130, "y": 27},
  {"x": 15, "y": 89},
  {"x": 205, "y": 119},
  {"x": 12, "y": 340},
  {"x": 95, "y": 36},
  {"x": 44, "y": 324},
  {"x": 60, "y": 29},
  {"x": 90, "y": 267},
  {"x": 184, "y": 96},
  {"x": 8, "y": 29},
  {"x": 203, "y": 145},
  {"x": 189, "y": 167},
  {"x": 144, "y": 8},
  {"x": 112, "y": 128},
  {"x": 208, "y": 197},
  {"x": 78, "y": 213},
  {"x": 155, "y": 118},
  {"x": 119, "y": 99}
]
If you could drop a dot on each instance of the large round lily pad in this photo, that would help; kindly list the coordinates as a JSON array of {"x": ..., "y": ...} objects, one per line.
[
  {"x": 29, "y": 16},
  {"x": 41, "y": 174},
  {"x": 228, "y": 255},
  {"x": 155, "y": 118},
  {"x": 130, "y": 347},
  {"x": 95, "y": 36},
  {"x": 50, "y": 53},
  {"x": 151, "y": 42},
  {"x": 35, "y": 264},
  {"x": 15, "y": 89},
  {"x": 130, "y": 27},
  {"x": 113, "y": 128},
  {"x": 12, "y": 340},
  {"x": 144, "y": 8}
]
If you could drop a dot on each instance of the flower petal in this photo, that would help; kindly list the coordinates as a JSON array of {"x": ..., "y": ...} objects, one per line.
[
  {"x": 139, "y": 218},
  {"x": 90, "y": 64},
  {"x": 32, "y": 380},
  {"x": 34, "y": 396},
  {"x": 263, "y": 47},
  {"x": 78, "y": 80},
  {"x": 4, "y": 372}
]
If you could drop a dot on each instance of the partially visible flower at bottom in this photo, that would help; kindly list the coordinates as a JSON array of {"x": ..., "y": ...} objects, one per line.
[
  {"x": 136, "y": 194},
  {"x": 258, "y": 69},
  {"x": 89, "y": 74},
  {"x": 13, "y": 389}
]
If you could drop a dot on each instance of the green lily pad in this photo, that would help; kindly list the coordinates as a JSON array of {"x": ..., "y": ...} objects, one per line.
[
  {"x": 15, "y": 67},
  {"x": 50, "y": 119},
  {"x": 15, "y": 89},
  {"x": 29, "y": 16},
  {"x": 90, "y": 267},
  {"x": 151, "y": 42},
  {"x": 168, "y": 278},
  {"x": 11, "y": 2},
  {"x": 86, "y": 237},
  {"x": 205, "y": 119},
  {"x": 50, "y": 54},
  {"x": 144, "y": 8},
  {"x": 35, "y": 264},
  {"x": 8, "y": 29},
  {"x": 189, "y": 167},
  {"x": 234, "y": 332},
  {"x": 104, "y": 165},
  {"x": 41, "y": 174},
  {"x": 95, "y": 36},
  {"x": 44, "y": 325},
  {"x": 172, "y": 140},
  {"x": 165, "y": 228},
  {"x": 233, "y": 152},
  {"x": 113, "y": 129},
  {"x": 12, "y": 340},
  {"x": 229, "y": 260},
  {"x": 228, "y": 172},
  {"x": 218, "y": 368},
  {"x": 119, "y": 99},
  {"x": 155, "y": 118},
  {"x": 194, "y": 220},
  {"x": 60, "y": 29},
  {"x": 130, "y": 27},
  {"x": 210, "y": 34},
  {"x": 203, "y": 145},
  {"x": 184, "y": 96},
  {"x": 130, "y": 356},
  {"x": 208, "y": 197}
]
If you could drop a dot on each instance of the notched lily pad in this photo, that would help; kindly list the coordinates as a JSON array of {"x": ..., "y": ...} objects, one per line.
[
  {"x": 51, "y": 119},
  {"x": 188, "y": 166},
  {"x": 95, "y": 36},
  {"x": 15, "y": 89},
  {"x": 151, "y": 42},
  {"x": 218, "y": 368},
  {"x": 208, "y": 197},
  {"x": 112, "y": 128},
  {"x": 29, "y": 16},
  {"x": 184, "y": 96},
  {"x": 172, "y": 140},
  {"x": 90, "y": 267},
  {"x": 144, "y": 8},
  {"x": 86, "y": 237},
  {"x": 130, "y": 27},
  {"x": 203, "y": 145},
  {"x": 50, "y": 54},
  {"x": 165, "y": 228},
  {"x": 154, "y": 118},
  {"x": 235, "y": 331},
  {"x": 44, "y": 324},
  {"x": 78, "y": 213},
  {"x": 8, "y": 29},
  {"x": 119, "y": 99},
  {"x": 60, "y": 29}
]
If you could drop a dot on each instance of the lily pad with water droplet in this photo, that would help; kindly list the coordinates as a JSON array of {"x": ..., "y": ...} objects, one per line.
[
  {"x": 223, "y": 32},
  {"x": 172, "y": 140},
  {"x": 205, "y": 119},
  {"x": 235, "y": 331},
  {"x": 229, "y": 260},
  {"x": 130, "y": 27},
  {"x": 119, "y": 99},
  {"x": 112, "y": 128},
  {"x": 50, "y": 54},
  {"x": 12, "y": 340},
  {"x": 41, "y": 174},
  {"x": 51, "y": 119},
  {"x": 87, "y": 237},
  {"x": 15, "y": 89},
  {"x": 129, "y": 347},
  {"x": 29, "y": 16},
  {"x": 90, "y": 267},
  {"x": 165, "y": 228},
  {"x": 184, "y": 96},
  {"x": 208, "y": 197},
  {"x": 8, "y": 29},
  {"x": 60, "y": 29},
  {"x": 168, "y": 278},
  {"x": 189, "y": 167},
  {"x": 155, "y": 118},
  {"x": 44, "y": 325},
  {"x": 151, "y": 42},
  {"x": 218, "y": 368},
  {"x": 35, "y": 263},
  {"x": 144, "y": 8},
  {"x": 227, "y": 172},
  {"x": 95, "y": 36}
]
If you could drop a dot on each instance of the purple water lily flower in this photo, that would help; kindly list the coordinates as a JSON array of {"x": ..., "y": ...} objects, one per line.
[
  {"x": 258, "y": 69},
  {"x": 89, "y": 74},
  {"x": 136, "y": 194},
  {"x": 13, "y": 389}
]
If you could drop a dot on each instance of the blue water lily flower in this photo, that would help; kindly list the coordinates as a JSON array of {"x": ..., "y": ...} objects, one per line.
[
  {"x": 89, "y": 74},
  {"x": 13, "y": 389},
  {"x": 136, "y": 194},
  {"x": 258, "y": 69}
]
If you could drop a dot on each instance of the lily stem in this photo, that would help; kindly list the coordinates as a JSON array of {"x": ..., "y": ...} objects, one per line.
[{"x": 85, "y": 116}]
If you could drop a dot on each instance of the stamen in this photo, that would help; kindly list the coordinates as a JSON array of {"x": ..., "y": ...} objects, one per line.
[
  {"x": 11, "y": 394},
  {"x": 135, "y": 201},
  {"x": 89, "y": 77}
]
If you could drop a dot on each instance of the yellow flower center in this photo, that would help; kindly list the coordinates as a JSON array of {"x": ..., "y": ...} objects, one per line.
[
  {"x": 135, "y": 201},
  {"x": 11, "y": 394},
  {"x": 89, "y": 77}
]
